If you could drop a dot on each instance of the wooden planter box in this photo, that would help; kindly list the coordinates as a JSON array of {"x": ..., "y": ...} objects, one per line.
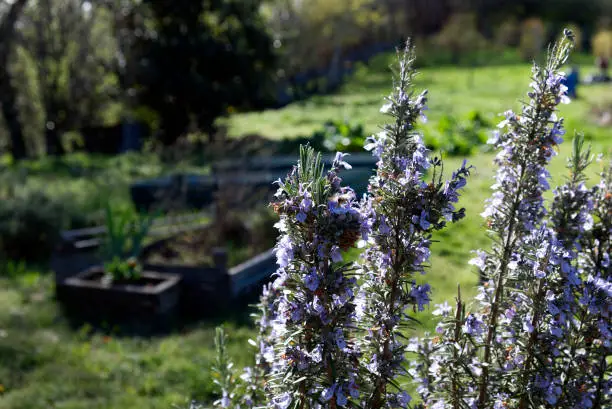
[
  {"x": 247, "y": 278},
  {"x": 205, "y": 291},
  {"x": 153, "y": 298},
  {"x": 202, "y": 290}
]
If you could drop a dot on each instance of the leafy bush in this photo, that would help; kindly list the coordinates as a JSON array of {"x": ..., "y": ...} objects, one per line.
[
  {"x": 533, "y": 36},
  {"x": 333, "y": 136},
  {"x": 508, "y": 33},
  {"x": 30, "y": 223},
  {"x": 341, "y": 136},
  {"x": 487, "y": 53},
  {"x": 459, "y": 137},
  {"x": 602, "y": 43},
  {"x": 460, "y": 35}
]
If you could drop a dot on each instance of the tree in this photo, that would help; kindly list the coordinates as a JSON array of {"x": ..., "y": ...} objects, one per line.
[
  {"x": 460, "y": 35},
  {"x": 8, "y": 92},
  {"x": 70, "y": 43},
  {"x": 310, "y": 33},
  {"x": 202, "y": 58},
  {"x": 129, "y": 26}
]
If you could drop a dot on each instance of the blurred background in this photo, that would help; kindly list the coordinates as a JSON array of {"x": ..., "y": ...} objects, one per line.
[
  {"x": 109, "y": 76},
  {"x": 189, "y": 110}
]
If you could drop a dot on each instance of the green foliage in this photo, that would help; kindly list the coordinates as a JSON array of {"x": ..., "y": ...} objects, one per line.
[
  {"x": 11, "y": 268},
  {"x": 63, "y": 67},
  {"x": 332, "y": 136},
  {"x": 508, "y": 33},
  {"x": 460, "y": 35},
  {"x": 222, "y": 369},
  {"x": 602, "y": 43},
  {"x": 118, "y": 269},
  {"x": 30, "y": 223},
  {"x": 310, "y": 32},
  {"x": 203, "y": 58},
  {"x": 341, "y": 136},
  {"x": 125, "y": 234},
  {"x": 533, "y": 37},
  {"x": 44, "y": 362},
  {"x": 459, "y": 137},
  {"x": 489, "y": 90}
]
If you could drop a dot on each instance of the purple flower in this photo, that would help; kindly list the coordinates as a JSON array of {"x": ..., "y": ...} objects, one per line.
[
  {"x": 473, "y": 325},
  {"x": 383, "y": 227},
  {"x": 339, "y": 339},
  {"x": 335, "y": 254},
  {"x": 442, "y": 309},
  {"x": 284, "y": 251},
  {"x": 311, "y": 280},
  {"x": 341, "y": 399},
  {"x": 301, "y": 217},
  {"x": 282, "y": 401},
  {"x": 317, "y": 305},
  {"x": 225, "y": 401},
  {"x": 376, "y": 144},
  {"x": 339, "y": 161},
  {"x": 420, "y": 294},
  {"x": 317, "y": 354},
  {"x": 422, "y": 220},
  {"x": 328, "y": 392}
]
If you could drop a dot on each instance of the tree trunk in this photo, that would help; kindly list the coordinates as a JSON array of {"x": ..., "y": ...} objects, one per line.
[
  {"x": 53, "y": 141},
  {"x": 11, "y": 114},
  {"x": 7, "y": 89}
]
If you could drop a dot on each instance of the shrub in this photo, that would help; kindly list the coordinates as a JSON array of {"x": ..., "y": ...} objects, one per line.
[
  {"x": 125, "y": 235},
  {"x": 333, "y": 135},
  {"x": 341, "y": 136},
  {"x": 333, "y": 334},
  {"x": 30, "y": 223},
  {"x": 460, "y": 36},
  {"x": 533, "y": 36},
  {"x": 602, "y": 43},
  {"x": 459, "y": 137},
  {"x": 508, "y": 33}
]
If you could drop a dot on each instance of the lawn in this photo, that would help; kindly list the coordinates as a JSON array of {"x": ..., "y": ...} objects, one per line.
[
  {"x": 46, "y": 363},
  {"x": 452, "y": 91}
]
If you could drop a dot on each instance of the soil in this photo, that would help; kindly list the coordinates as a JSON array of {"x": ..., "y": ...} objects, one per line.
[
  {"x": 100, "y": 278},
  {"x": 196, "y": 248}
]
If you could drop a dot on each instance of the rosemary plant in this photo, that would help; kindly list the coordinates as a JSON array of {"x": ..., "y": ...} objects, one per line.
[
  {"x": 333, "y": 334},
  {"x": 400, "y": 213}
]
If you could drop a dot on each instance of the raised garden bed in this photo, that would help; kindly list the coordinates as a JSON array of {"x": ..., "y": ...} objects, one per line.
[
  {"x": 217, "y": 269},
  {"x": 217, "y": 266},
  {"x": 151, "y": 299},
  {"x": 197, "y": 248},
  {"x": 79, "y": 249}
]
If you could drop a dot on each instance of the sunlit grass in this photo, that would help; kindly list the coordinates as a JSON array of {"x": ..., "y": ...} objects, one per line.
[{"x": 452, "y": 90}]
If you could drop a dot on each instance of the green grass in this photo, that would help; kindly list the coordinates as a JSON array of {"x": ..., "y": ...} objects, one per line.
[
  {"x": 87, "y": 182},
  {"x": 452, "y": 90},
  {"x": 46, "y": 363}
]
